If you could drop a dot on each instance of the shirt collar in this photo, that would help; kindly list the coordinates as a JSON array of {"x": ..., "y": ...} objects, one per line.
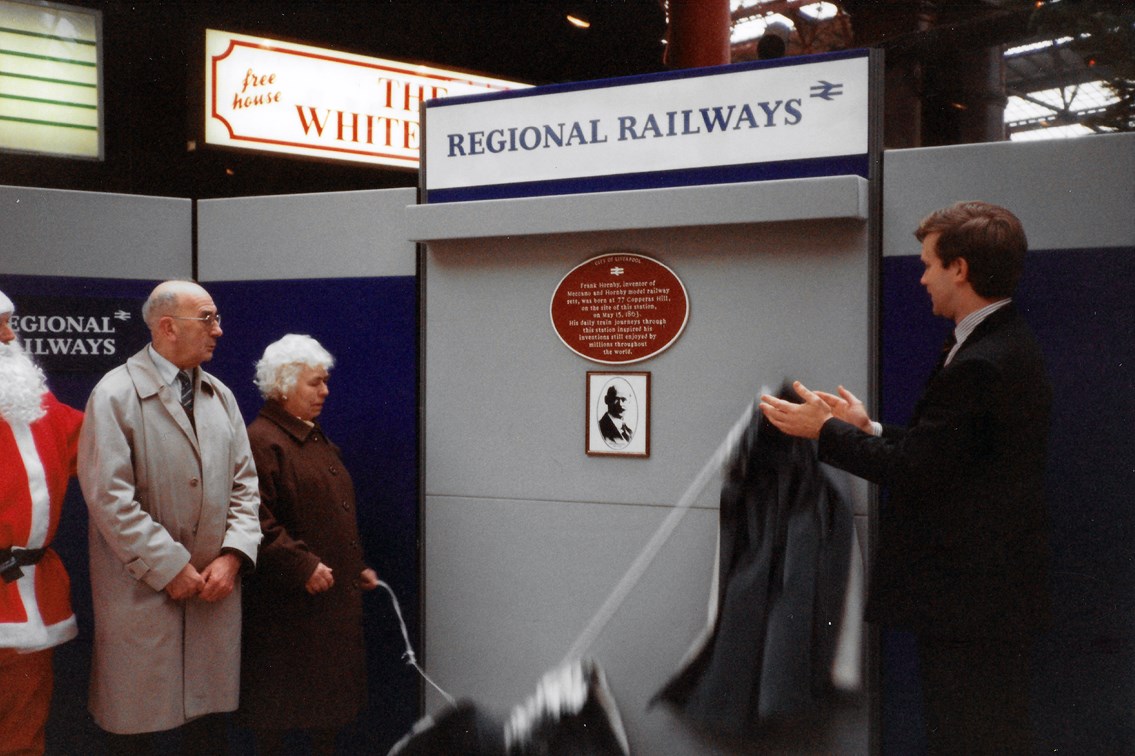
[
  {"x": 970, "y": 322},
  {"x": 166, "y": 369}
]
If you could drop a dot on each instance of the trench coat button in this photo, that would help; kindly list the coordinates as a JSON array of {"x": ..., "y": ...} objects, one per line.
[
  {"x": 333, "y": 470},
  {"x": 193, "y": 482},
  {"x": 345, "y": 505}
]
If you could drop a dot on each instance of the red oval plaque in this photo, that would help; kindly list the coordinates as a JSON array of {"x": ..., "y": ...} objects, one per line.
[{"x": 619, "y": 307}]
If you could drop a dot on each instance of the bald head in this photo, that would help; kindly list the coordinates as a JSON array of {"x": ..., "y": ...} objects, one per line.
[
  {"x": 164, "y": 299},
  {"x": 183, "y": 321}
]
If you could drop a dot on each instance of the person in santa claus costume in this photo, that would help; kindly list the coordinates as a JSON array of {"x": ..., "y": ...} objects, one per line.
[{"x": 38, "y": 446}]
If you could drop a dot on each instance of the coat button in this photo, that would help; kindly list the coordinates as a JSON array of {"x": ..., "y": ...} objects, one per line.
[
  {"x": 193, "y": 482},
  {"x": 334, "y": 470}
]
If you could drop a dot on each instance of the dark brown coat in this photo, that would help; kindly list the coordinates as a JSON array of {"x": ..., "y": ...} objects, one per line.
[{"x": 304, "y": 662}]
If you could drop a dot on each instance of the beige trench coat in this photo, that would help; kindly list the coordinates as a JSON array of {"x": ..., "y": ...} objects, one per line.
[{"x": 160, "y": 496}]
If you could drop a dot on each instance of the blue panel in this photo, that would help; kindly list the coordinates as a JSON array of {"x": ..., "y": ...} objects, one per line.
[
  {"x": 1082, "y": 305},
  {"x": 847, "y": 165},
  {"x": 840, "y": 165},
  {"x": 73, "y": 385},
  {"x": 70, "y": 728},
  {"x": 370, "y": 326}
]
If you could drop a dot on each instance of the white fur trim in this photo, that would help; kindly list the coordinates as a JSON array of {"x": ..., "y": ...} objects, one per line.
[
  {"x": 37, "y": 485},
  {"x": 33, "y": 635}
]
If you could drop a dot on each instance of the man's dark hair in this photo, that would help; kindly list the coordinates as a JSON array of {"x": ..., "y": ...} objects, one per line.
[{"x": 989, "y": 237}]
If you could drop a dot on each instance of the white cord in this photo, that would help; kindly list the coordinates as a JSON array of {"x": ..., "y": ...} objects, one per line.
[
  {"x": 408, "y": 655},
  {"x": 637, "y": 568}
]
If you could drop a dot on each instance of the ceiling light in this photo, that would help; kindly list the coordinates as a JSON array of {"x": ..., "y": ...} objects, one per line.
[{"x": 578, "y": 22}]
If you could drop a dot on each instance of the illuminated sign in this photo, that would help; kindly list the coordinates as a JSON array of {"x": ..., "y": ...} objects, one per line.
[
  {"x": 281, "y": 97},
  {"x": 795, "y": 117},
  {"x": 50, "y": 79}
]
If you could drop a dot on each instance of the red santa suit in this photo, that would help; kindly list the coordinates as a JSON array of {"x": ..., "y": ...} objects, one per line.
[{"x": 36, "y": 462}]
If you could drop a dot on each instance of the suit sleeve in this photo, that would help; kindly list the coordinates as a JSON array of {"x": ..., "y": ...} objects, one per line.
[
  {"x": 940, "y": 446},
  {"x": 282, "y": 558},
  {"x": 106, "y": 476}
]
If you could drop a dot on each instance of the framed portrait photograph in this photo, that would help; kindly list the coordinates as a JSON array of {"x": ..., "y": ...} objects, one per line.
[{"x": 618, "y": 414}]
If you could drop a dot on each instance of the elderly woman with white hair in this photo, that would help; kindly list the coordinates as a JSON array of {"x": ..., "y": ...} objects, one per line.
[{"x": 303, "y": 664}]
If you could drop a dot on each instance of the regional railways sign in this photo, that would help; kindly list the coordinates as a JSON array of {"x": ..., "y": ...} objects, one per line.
[
  {"x": 78, "y": 333},
  {"x": 788, "y": 118},
  {"x": 261, "y": 94}
]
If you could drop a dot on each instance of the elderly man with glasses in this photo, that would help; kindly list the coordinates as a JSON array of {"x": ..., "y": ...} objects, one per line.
[{"x": 168, "y": 476}]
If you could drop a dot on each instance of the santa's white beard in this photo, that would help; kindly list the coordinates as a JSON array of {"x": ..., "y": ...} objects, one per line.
[{"x": 22, "y": 385}]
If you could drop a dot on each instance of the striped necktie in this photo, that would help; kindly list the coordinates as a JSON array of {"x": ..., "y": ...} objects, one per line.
[{"x": 186, "y": 392}]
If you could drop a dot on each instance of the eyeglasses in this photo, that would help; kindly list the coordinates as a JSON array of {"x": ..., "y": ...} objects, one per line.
[{"x": 208, "y": 320}]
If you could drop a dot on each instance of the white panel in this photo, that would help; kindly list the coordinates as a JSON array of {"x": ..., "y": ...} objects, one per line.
[
  {"x": 496, "y": 625},
  {"x": 756, "y": 202},
  {"x": 686, "y": 120},
  {"x": 92, "y": 234},
  {"x": 336, "y": 235},
  {"x": 505, "y": 398},
  {"x": 1068, "y": 193},
  {"x": 525, "y": 535}
]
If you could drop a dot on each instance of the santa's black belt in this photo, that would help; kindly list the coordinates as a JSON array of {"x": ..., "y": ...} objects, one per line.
[{"x": 11, "y": 560}]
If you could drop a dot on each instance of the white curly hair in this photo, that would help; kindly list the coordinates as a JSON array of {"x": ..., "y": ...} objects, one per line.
[{"x": 285, "y": 359}]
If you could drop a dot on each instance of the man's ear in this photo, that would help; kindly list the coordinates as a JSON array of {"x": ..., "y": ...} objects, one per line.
[
  {"x": 960, "y": 269},
  {"x": 165, "y": 326}
]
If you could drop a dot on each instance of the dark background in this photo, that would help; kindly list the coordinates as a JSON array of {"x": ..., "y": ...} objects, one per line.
[
  {"x": 1083, "y": 689},
  {"x": 153, "y": 80}
]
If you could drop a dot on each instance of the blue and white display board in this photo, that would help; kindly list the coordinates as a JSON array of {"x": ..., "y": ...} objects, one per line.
[
  {"x": 743, "y": 181},
  {"x": 788, "y": 118}
]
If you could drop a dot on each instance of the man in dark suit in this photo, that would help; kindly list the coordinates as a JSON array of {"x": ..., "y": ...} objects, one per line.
[
  {"x": 962, "y": 555},
  {"x": 613, "y": 424}
]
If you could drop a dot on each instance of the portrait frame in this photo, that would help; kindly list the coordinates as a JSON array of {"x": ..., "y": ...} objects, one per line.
[{"x": 607, "y": 432}]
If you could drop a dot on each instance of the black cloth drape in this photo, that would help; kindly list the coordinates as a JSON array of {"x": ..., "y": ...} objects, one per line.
[{"x": 785, "y": 548}]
